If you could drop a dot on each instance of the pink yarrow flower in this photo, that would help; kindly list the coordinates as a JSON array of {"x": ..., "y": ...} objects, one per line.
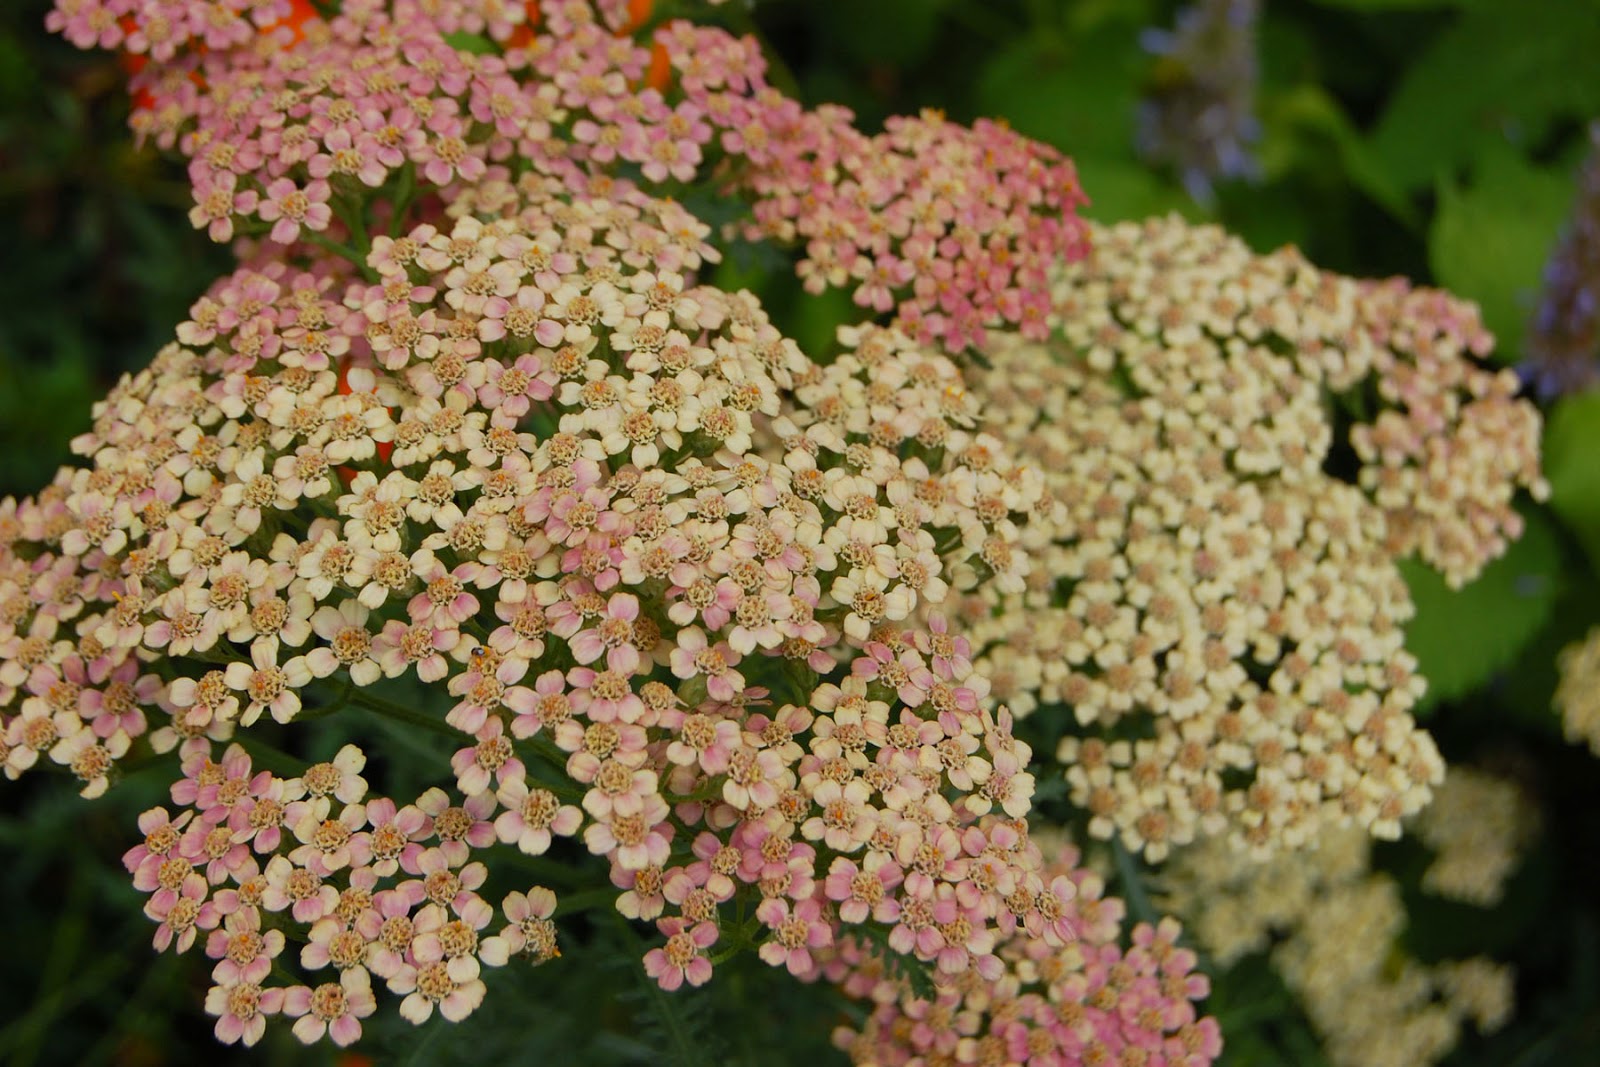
[
  {"x": 334, "y": 1009},
  {"x": 682, "y": 958},
  {"x": 291, "y": 207},
  {"x": 795, "y": 932}
]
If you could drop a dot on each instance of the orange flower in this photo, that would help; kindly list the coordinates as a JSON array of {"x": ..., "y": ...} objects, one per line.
[
  {"x": 659, "y": 73},
  {"x": 638, "y": 15},
  {"x": 302, "y": 12},
  {"x": 522, "y": 35},
  {"x": 385, "y": 448}
]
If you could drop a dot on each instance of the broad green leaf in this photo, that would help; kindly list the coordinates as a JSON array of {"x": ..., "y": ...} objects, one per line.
[
  {"x": 1572, "y": 464},
  {"x": 1461, "y": 638},
  {"x": 1268, "y": 216},
  {"x": 892, "y": 32},
  {"x": 1490, "y": 239},
  {"x": 1080, "y": 96},
  {"x": 816, "y": 322},
  {"x": 1121, "y": 189},
  {"x": 1308, "y": 110},
  {"x": 1085, "y": 17},
  {"x": 1508, "y": 69},
  {"x": 1528, "y": 691}
]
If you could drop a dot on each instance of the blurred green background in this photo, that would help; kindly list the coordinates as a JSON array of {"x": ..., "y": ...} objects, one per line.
[{"x": 1434, "y": 138}]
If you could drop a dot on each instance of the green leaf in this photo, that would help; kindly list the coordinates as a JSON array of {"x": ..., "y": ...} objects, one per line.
[
  {"x": 1572, "y": 465},
  {"x": 1462, "y": 638},
  {"x": 1121, "y": 189},
  {"x": 476, "y": 43},
  {"x": 913, "y": 975},
  {"x": 892, "y": 32},
  {"x": 1309, "y": 111},
  {"x": 1396, "y": 5},
  {"x": 816, "y": 322},
  {"x": 1079, "y": 96},
  {"x": 1268, "y": 216},
  {"x": 676, "y": 1024},
  {"x": 1504, "y": 71},
  {"x": 1527, "y": 692},
  {"x": 1489, "y": 240}
]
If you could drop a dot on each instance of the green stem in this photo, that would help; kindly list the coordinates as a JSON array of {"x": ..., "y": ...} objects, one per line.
[
  {"x": 401, "y": 713},
  {"x": 549, "y": 872},
  {"x": 268, "y": 757},
  {"x": 405, "y": 192},
  {"x": 546, "y": 749},
  {"x": 588, "y": 900},
  {"x": 328, "y": 244},
  {"x": 741, "y": 936},
  {"x": 709, "y": 791},
  {"x": 555, "y": 779},
  {"x": 331, "y": 708},
  {"x": 349, "y": 211},
  {"x": 554, "y": 760},
  {"x": 1132, "y": 886}
]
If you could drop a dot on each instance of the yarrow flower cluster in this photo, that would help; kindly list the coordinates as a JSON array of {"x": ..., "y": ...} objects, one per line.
[
  {"x": 280, "y": 138},
  {"x": 161, "y": 31},
  {"x": 465, "y": 419},
  {"x": 1577, "y": 696},
  {"x": 716, "y": 669},
  {"x": 1330, "y": 926},
  {"x": 1477, "y": 826},
  {"x": 378, "y": 891},
  {"x": 955, "y": 228},
  {"x": 465, "y": 443},
  {"x": 1196, "y": 566},
  {"x": 1096, "y": 1000}
]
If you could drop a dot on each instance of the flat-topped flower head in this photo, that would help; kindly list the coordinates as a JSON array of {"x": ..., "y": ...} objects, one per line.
[
  {"x": 713, "y": 661},
  {"x": 1577, "y": 696},
  {"x": 1198, "y": 564},
  {"x": 1330, "y": 926},
  {"x": 1117, "y": 994}
]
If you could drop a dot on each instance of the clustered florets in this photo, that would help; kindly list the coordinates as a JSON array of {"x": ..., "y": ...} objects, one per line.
[
  {"x": 1577, "y": 696},
  {"x": 329, "y": 478},
  {"x": 1090, "y": 1001},
  {"x": 1477, "y": 827},
  {"x": 1196, "y": 565},
  {"x": 741, "y": 623},
  {"x": 679, "y": 581},
  {"x": 1331, "y": 928},
  {"x": 955, "y": 228}
]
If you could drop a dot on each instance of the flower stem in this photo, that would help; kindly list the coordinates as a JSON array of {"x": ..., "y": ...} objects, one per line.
[
  {"x": 1132, "y": 886},
  {"x": 328, "y": 244},
  {"x": 270, "y": 757},
  {"x": 405, "y": 192},
  {"x": 401, "y": 713}
]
